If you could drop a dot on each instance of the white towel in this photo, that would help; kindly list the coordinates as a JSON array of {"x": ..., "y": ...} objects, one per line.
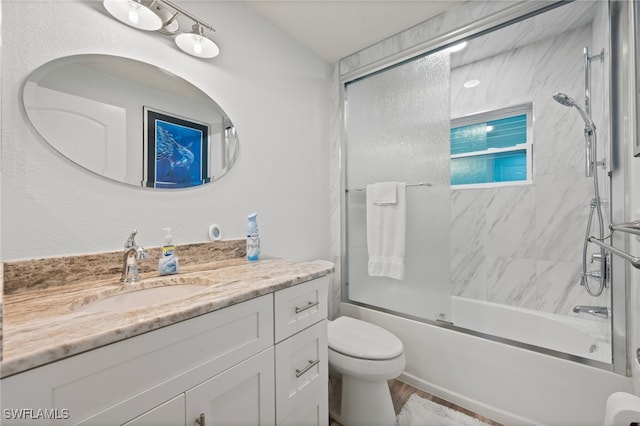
[
  {"x": 384, "y": 193},
  {"x": 386, "y": 229}
]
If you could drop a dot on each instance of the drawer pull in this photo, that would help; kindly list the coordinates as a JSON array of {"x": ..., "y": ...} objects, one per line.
[
  {"x": 307, "y": 368},
  {"x": 307, "y": 306}
]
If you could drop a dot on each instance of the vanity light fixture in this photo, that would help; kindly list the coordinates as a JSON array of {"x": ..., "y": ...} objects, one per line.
[
  {"x": 162, "y": 16},
  {"x": 196, "y": 44},
  {"x": 136, "y": 13}
]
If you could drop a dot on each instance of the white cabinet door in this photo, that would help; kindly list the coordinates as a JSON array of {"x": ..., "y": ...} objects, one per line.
[
  {"x": 171, "y": 413},
  {"x": 242, "y": 395}
]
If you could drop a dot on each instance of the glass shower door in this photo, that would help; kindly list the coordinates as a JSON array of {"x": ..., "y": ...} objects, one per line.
[{"x": 398, "y": 130}]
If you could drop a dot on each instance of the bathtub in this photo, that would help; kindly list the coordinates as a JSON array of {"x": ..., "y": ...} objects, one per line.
[
  {"x": 510, "y": 384},
  {"x": 585, "y": 337}
]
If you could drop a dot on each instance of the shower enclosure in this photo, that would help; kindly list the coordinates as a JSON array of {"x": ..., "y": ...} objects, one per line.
[{"x": 496, "y": 213}]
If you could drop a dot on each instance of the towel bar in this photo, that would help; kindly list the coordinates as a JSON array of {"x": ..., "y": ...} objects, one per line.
[
  {"x": 635, "y": 261},
  {"x": 630, "y": 227},
  {"x": 408, "y": 185}
]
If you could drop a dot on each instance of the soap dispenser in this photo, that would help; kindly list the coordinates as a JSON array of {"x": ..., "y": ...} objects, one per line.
[{"x": 168, "y": 262}]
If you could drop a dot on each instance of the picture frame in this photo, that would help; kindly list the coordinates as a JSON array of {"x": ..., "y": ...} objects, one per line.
[{"x": 176, "y": 150}]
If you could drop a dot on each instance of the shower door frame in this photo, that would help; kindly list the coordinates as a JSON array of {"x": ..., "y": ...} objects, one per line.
[
  {"x": 623, "y": 132},
  {"x": 618, "y": 92}
]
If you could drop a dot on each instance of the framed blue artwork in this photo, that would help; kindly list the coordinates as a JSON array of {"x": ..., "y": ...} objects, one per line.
[{"x": 176, "y": 151}]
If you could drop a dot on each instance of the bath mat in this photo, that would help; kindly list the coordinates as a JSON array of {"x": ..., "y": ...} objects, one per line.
[{"x": 421, "y": 412}]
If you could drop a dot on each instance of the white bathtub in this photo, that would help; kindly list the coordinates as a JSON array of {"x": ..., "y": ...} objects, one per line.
[
  {"x": 588, "y": 338},
  {"x": 509, "y": 384}
]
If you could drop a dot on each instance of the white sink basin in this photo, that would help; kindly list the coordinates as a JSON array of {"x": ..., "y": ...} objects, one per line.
[{"x": 140, "y": 298}]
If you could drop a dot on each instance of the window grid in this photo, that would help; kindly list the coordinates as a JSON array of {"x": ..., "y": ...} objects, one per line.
[{"x": 492, "y": 149}]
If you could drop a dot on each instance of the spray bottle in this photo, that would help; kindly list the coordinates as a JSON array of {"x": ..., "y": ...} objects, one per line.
[{"x": 253, "y": 239}]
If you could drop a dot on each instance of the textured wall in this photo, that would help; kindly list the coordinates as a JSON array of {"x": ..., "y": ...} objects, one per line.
[{"x": 275, "y": 91}]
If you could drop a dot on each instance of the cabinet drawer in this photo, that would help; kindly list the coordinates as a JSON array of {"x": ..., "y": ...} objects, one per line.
[
  {"x": 301, "y": 368},
  {"x": 299, "y": 307},
  {"x": 171, "y": 413},
  {"x": 312, "y": 412}
]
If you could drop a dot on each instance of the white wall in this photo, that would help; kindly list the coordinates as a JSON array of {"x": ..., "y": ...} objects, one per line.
[{"x": 275, "y": 91}]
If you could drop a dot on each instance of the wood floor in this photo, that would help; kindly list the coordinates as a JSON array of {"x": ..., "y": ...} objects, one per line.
[{"x": 400, "y": 392}]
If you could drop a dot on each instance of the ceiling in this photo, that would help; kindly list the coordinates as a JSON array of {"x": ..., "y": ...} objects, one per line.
[{"x": 334, "y": 29}]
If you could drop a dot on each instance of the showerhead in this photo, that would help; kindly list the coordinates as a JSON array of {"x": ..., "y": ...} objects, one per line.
[
  {"x": 566, "y": 100},
  {"x": 563, "y": 99}
]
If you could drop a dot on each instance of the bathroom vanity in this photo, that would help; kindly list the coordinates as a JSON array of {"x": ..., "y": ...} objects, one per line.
[{"x": 250, "y": 348}]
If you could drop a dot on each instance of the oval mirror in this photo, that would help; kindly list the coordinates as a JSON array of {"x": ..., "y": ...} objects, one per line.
[{"x": 130, "y": 121}]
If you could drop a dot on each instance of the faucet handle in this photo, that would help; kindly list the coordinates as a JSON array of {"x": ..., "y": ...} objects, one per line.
[
  {"x": 141, "y": 253},
  {"x": 131, "y": 241},
  {"x": 596, "y": 257}
]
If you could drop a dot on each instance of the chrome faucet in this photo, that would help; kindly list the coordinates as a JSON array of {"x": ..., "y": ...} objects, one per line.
[
  {"x": 599, "y": 311},
  {"x": 132, "y": 253}
]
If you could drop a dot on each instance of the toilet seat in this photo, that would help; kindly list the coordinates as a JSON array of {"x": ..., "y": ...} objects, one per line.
[{"x": 358, "y": 339}]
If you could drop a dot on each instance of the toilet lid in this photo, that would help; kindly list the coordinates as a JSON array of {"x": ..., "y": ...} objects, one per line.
[{"x": 360, "y": 339}]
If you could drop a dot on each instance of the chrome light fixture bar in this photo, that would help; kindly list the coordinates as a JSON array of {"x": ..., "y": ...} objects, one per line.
[{"x": 162, "y": 16}]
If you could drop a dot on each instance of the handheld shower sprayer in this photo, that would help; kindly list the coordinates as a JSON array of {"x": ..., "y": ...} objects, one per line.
[
  {"x": 566, "y": 100},
  {"x": 589, "y": 131},
  {"x": 590, "y": 139}
]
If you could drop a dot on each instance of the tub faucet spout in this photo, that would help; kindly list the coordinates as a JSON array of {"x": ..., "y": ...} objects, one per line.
[{"x": 598, "y": 311}]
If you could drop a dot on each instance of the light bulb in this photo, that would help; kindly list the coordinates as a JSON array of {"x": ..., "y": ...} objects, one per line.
[
  {"x": 197, "y": 46},
  {"x": 133, "y": 13}
]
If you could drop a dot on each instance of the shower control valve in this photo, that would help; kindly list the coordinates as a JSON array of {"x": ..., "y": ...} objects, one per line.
[{"x": 593, "y": 274}]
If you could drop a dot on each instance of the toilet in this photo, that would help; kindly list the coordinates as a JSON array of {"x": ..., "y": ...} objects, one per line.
[{"x": 367, "y": 356}]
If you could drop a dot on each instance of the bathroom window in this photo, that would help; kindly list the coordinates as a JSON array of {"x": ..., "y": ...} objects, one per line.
[{"x": 492, "y": 149}]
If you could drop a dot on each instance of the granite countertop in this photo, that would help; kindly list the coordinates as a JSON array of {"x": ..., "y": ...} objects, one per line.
[{"x": 43, "y": 325}]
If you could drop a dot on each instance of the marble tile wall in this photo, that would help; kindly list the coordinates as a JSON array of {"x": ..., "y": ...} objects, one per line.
[{"x": 522, "y": 245}]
